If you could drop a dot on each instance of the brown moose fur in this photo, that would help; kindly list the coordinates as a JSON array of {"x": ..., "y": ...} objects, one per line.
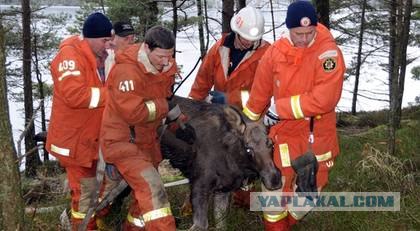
[{"x": 228, "y": 150}]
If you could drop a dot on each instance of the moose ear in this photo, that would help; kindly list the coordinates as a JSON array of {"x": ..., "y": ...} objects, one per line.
[{"x": 233, "y": 116}]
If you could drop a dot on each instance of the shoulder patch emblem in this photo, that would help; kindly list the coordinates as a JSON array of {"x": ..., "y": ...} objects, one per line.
[{"x": 329, "y": 64}]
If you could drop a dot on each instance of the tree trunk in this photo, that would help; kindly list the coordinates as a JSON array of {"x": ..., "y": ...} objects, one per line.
[
  {"x": 393, "y": 72},
  {"x": 359, "y": 59},
  {"x": 400, "y": 16},
  {"x": 200, "y": 16},
  {"x": 227, "y": 14},
  {"x": 175, "y": 22},
  {"x": 405, "y": 34},
  {"x": 241, "y": 4},
  {"x": 323, "y": 9},
  {"x": 206, "y": 24},
  {"x": 11, "y": 203},
  {"x": 32, "y": 160},
  {"x": 41, "y": 94}
]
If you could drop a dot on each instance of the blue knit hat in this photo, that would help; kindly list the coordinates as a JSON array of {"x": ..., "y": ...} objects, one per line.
[
  {"x": 301, "y": 13},
  {"x": 97, "y": 25}
]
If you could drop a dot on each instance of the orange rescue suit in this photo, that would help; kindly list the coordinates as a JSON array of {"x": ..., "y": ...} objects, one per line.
[
  {"x": 78, "y": 103},
  {"x": 305, "y": 82},
  {"x": 214, "y": 72},
  {"x": 138, "y": 98},
  {"x": 136, "y": 106}
]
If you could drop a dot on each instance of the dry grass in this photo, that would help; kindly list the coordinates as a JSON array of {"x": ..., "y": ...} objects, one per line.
[{"x": 397, "y": 174}]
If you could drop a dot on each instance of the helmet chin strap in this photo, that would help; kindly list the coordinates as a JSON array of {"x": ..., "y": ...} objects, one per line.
[
  {"x": 257, "y": 44},
  {"x": 239, "y": 44}
]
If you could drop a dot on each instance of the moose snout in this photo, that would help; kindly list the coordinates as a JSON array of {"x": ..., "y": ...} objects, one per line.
[{"x": 271, "y": 177}]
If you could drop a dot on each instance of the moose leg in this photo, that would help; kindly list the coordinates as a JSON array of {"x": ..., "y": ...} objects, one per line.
[
  {"x": 221, "y": 203},
  {"x": 200, "y": 203}
]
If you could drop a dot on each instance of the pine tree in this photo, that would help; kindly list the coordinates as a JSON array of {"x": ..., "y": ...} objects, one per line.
[{"x": 11, "y": 203}]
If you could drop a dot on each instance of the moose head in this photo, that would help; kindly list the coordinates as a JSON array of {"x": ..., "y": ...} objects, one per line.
[{"x": 257, "y": 146}]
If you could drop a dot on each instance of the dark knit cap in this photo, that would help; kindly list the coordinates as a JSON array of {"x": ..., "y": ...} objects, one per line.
[
  {"x": 301, "y": 13},
  {"x": 97, "y": 25},
  {"x": 123, "y": 28}
]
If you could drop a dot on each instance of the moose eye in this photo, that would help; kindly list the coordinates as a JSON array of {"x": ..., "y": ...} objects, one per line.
[{"x": 249, "y": 151}]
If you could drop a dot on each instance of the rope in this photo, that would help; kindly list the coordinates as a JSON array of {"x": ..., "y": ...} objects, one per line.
[{"x": 189, "y": 74}]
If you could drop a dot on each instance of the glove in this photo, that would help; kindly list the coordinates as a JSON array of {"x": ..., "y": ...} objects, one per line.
[
  {"x": 306, "y": 168},
  {"x": 112, "y": 172},
  {"x": 186, "y": 133},
  {"x": 183, "y": 130},
  {"x": 270, "y": 119},
  {"x": 217, "y": 97}
]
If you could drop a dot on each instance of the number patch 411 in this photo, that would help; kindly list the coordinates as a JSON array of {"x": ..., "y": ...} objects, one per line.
[{"x": 126, "y": 85}]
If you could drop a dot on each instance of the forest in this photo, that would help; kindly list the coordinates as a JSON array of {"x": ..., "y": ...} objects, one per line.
[{"x": 379, "y": 148}]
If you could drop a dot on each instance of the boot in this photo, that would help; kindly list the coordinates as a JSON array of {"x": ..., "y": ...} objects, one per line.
[
  {"x": 292, "y": 221},
  {"x": 127, "y": 226},
  {"x": 162, "y": 224},
  {"x": 75, "y": 223},
  {"x": 281, "y": 225}
]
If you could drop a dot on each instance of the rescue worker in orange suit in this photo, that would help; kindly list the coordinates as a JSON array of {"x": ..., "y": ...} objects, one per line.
[
  {"x": 303, "y": 71},
  {"x": 78, "y": 103},
  {"x": 229, "y": 67},
  {"x": 140, "y": 83},
  {"x": 123, "y": 36}
]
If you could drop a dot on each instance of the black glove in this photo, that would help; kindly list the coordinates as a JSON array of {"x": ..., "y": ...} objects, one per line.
[
  {"x": 186, "y": 133},
  {"x": 112, "y": 172},
  {"x": 306, "y": 168}
]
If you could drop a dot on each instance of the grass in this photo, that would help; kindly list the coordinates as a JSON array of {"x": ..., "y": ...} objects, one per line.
[
  {"x": 237, "y": 219},
  {"x": 363, "y": 165}
]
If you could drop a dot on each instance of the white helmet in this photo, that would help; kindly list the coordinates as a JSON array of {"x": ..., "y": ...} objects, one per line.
[{"x": 248, "y": 23}]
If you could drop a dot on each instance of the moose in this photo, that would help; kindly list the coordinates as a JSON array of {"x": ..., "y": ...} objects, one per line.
[{"x": 228, "y": 150}]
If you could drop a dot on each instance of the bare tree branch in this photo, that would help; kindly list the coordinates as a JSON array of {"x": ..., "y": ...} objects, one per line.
[
  {"x": 20, "y": 157},
  {"x": 216, "y": 20},
  {"x": 23, "y": 134},
  {"x": 375, "y": 99}
]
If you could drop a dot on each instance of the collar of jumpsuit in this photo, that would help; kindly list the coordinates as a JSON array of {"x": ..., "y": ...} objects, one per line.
[
  {"x": 235, "y": 55},
  {"x": 295, "y": 53}
]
